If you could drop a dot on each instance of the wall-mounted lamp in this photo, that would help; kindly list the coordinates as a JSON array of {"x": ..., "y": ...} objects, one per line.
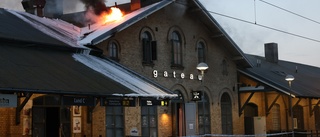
[{"x": 202, "y": 67}]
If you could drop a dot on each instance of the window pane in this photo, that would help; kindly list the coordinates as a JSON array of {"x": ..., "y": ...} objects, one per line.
[
  {"x": 176, "y": 48},
  {"x": 152, "y": 110},
  {"x": 153, "y": 132},
  {"x": 113, "y": 50},
  {"x": 204, "y": 115},
  {"x": 109, "y": 121},
  {"x": 119, "y": 121},
  {"x": 153, "y": 122},
  {"x": 119, "y": 133},
  {"x": 118, "y": 110},
  {"x": 144, "y": 110},
  {"x": 201, "y": 55},
  {"x": 109, "y": 132},
  {"x": 145, "y": 122},
  {"x": 145, "y": 132}
]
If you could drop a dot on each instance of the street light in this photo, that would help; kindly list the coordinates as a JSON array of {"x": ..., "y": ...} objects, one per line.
[
  {"x": 202, "y": 67},
  {"x": 290, "y": 78}
]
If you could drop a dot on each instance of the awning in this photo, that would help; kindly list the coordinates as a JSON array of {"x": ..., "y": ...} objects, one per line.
[
  {"x": 135, "y": 82},
  {"x": 42, "y": 70}
]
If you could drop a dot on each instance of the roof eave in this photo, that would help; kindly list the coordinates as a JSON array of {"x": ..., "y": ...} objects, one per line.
[
  {"x": 247, "y": 63},
  {"x": 130, "y": 21}
]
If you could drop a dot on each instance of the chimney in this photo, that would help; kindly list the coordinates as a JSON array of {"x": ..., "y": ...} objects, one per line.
[
  {"x": 34, "y": 6},
  {"x": 271, "y": 52},
  {"x": 137, "y": 4}
]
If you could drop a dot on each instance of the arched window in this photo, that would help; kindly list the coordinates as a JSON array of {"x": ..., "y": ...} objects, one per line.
[
  {"x": 149, "y": 46},
  {"x": 226, "y": 114},
  {"x": 113, "y": 50},
  {"x": 204, "y": 115},
  {"x": 276, "y": 117},
  {"x": 201, "y": 52},
  {"x": 176, "y": 49}
]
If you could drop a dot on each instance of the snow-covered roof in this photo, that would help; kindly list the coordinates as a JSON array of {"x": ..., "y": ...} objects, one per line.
[
  {"x": 116, "y": 72},
  {"x": 102, "y": 32},
  {"x": 55, "y": 28}
]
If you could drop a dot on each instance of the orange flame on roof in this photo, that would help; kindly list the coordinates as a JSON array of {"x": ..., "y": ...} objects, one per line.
[{"x": 114, "y": 15}]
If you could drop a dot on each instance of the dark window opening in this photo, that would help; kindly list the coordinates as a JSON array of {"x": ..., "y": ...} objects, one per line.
[
  {"x": 201, "y": 52},
  {"x": 149, "y": 48},
  {"x": 113, "y": 50},
  {"x": 176, "y": 50}
]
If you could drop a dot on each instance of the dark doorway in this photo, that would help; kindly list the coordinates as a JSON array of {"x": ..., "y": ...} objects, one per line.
[
  {"x": 50, "y": 118},
  {"x": 298, "y": 117},
  {"x": 178, "y": 117},
  {"x": 250, "y": 111},
  {"x": 226, "y": 114},
  {"x": 52, "y": 121}
]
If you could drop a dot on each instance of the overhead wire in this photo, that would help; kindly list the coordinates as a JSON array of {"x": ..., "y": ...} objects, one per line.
[
  {"x": 271, "y": 28},
  {"x": 267, "y": 27},
  {"x": 289, "y": 11}
]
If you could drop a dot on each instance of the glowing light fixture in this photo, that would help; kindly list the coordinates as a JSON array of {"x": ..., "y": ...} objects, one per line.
[{"x": 202, "y": 67}]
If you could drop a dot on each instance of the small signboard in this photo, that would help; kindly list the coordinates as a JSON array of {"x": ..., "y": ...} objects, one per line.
[
  {"x": 127, "y": 102},
  {"x": 196, "y": 95},
  {"x": 8, "y": 100},
  {"x": 78, "y": 101},
  {"x": 154, "y": 102}
]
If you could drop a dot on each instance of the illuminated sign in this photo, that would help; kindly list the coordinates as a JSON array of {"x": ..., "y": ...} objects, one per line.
[
  {"x": 154, "y": 102},
  {"x": 196, "y": 95},
  {"x": 78, "y": 101},
  {"x": 130, "y": 102},
  {"x": 173, "y": 74},
  {"x": 8, "y": 100}
]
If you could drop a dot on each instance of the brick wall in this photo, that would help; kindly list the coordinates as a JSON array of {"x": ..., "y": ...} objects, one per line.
[{"x": 192, "y": 31}]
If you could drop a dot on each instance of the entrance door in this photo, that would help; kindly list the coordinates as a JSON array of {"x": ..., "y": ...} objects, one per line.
[
  {"x": 52, "y": 121},
  {"x": 298, "y": 115},
  {"x": 178, "y": 116},
  {"x": 46, "y": 121},
  {"x": 250, "y": 111},
  {"x": 49, "y": 119}
]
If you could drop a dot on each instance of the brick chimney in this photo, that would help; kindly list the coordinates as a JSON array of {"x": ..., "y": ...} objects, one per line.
[
  {"x": 34, "y": 6},
  {"x": 137, "y": 4},
  {"x": 271, "y": 52}
]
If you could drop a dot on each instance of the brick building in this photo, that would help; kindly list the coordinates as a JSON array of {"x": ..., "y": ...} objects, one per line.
[{"x": 138, "y": 76}]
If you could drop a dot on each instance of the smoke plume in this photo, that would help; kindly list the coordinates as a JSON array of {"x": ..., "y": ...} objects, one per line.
[{"x": 98, "y": 6}]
